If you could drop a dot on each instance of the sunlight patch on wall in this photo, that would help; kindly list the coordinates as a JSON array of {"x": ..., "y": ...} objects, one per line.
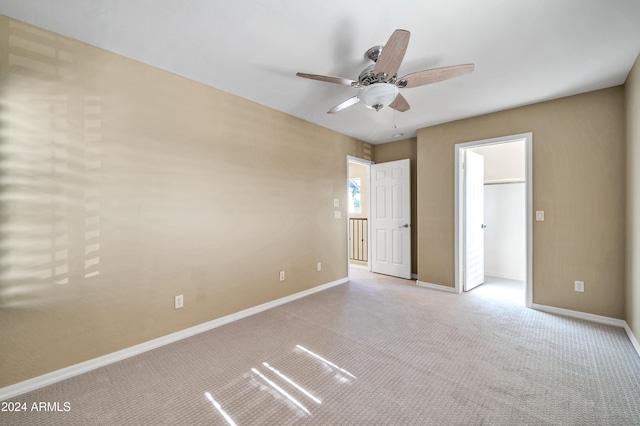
[{"x": 50, "y": 161}]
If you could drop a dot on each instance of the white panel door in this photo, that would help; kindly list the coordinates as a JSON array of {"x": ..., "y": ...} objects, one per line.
[
  {"x": 474, "y": 220},
  {"x": 391, "y": 218}
]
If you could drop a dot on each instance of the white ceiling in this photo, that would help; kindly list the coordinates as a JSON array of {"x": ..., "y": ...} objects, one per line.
[{"x": 525, "y": 51}]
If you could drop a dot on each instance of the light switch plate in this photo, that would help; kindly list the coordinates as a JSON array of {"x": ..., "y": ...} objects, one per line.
[
  {"x": 540, "y": 215},
  {"x": 336, "y": 202}
]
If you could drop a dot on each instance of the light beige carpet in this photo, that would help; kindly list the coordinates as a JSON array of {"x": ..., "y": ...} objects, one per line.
[{"x": 374, "y": 351}]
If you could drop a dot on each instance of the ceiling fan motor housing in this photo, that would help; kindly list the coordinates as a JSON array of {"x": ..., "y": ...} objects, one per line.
[{"x": 368, "y": 77}]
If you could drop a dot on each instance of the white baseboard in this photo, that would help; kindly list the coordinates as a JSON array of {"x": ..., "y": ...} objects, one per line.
[
  {"x": 591, "y": 317},
  {"x": 83, "y": 367},
  {"x": 579, "y": 315},
  {"x": 436, "y": 286},
  {"x": 633, "y": 339}
]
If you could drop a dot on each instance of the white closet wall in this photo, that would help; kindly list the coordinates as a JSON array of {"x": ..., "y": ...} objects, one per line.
[{"x": 504, "y": 242}]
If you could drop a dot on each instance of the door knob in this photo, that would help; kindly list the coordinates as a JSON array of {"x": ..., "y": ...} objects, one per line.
[
  {"x": 483, "y": 226},
  {"x": 406, "y": 225}
]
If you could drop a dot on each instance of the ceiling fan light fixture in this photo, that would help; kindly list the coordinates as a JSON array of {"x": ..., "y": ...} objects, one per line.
[{"x": 377, "y": 96}]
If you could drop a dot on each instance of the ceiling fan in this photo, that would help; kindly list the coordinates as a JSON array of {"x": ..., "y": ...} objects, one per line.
[{"x": 379, "y": 84}]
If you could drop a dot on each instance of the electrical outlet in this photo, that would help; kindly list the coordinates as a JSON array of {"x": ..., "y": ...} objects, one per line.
[
  {"x": 579, "y": 286},
  {"x": 319, "y": 266},
  {"x": 281, "y": 275},
  {"x": 179, "y": 301}
]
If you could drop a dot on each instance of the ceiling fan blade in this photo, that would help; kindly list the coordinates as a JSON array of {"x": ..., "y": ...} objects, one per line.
[
  {"x": 392, "y": 53},
  {"x": 434, "y": 75},
  {"x": 328, "y": 79},
  {"x": 343, "y": 105},
  {"x": 400, "y": 104}
]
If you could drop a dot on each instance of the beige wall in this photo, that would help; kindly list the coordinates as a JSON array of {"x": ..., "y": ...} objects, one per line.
[
  {"x": 124, "y": 185},
  {"x": 578, "y": 180},
  {"x": 632, "y": 289},
  {"x": 401, "y": 150}
]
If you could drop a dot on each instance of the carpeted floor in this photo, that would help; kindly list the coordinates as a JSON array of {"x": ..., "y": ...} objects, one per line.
[{"x": 377, "y": 350}]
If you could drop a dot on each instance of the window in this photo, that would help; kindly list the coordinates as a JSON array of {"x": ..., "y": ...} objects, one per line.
[{"x": 354, "y": 196}]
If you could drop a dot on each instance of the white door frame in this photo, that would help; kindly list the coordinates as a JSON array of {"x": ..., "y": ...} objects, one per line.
[
  {"x": 459, "y": 204},
  {"x": 351, "y": 159}
]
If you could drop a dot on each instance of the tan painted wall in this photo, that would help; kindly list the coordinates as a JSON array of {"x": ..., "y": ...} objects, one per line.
[
  {"x": 123, "y": 185},
  {"x": 400, "y": 150},
  {"x": 578, "y": 180},
  {"x": 632, "y": 288}
]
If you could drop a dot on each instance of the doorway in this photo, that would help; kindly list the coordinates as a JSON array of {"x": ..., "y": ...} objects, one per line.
[
  {"x": 498, "y": 244},
  {"x": 379, "y": 216},
  {"x": 358, "y": 196}
]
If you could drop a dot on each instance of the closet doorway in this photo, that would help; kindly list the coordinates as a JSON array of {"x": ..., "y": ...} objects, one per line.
[{"x": 493, "y": 213}]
